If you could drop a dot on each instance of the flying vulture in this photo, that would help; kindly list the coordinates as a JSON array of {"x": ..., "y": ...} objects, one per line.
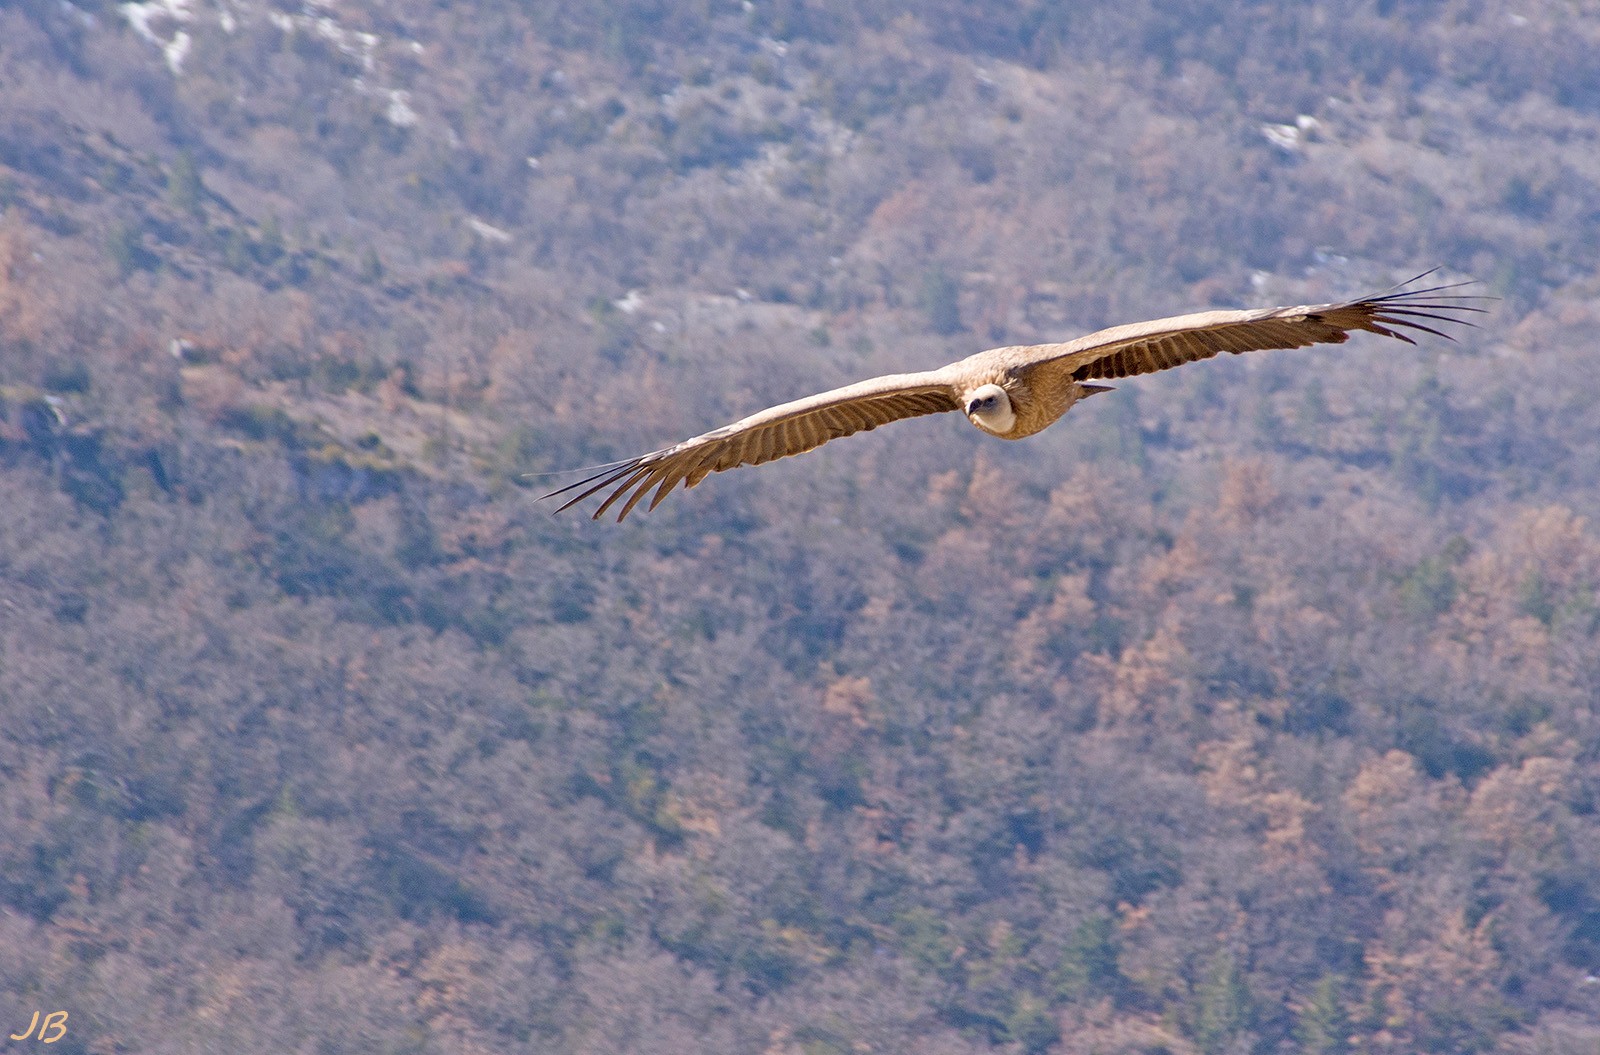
[{"x": 1015, "y": 391}]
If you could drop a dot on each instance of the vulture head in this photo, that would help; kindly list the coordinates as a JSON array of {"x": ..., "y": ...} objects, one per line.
[{"x": 989, "y": 408}]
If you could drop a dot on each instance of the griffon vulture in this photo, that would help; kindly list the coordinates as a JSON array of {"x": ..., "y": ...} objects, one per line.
[{"x": 1016, "y": 391}]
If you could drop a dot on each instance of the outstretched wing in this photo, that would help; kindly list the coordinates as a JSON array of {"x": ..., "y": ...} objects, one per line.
[
  {"x": 792, "y": 428},
  {"x": 1145, "y": 347}
]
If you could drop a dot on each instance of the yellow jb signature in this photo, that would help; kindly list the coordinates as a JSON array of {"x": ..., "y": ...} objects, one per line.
[{"x": 55, "y": 1020}]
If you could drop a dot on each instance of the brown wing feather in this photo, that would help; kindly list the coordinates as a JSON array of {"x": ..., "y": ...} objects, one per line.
[
  {"x": 1146, "y": 347},
  {"x": 792, "y": 428}
]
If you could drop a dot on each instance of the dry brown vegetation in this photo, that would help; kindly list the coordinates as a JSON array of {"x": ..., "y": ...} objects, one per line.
[{"x": 1251, "y": 709}]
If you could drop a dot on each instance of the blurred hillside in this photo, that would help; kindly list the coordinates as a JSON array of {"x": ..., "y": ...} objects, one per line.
[{"x": 1251, "y": 709}]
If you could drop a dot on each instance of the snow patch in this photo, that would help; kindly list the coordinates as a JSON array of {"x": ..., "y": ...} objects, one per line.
[
  {"x": 399, "y": 112},
  {"x": 144, "y": 19},
  {"x": 164, "y": 23},
  {"x": 488, "y": 231},
  {"x": 353, "y": 44},
  {"x": 1290, "y": 138},
  {"x": 348, "y": 42}
]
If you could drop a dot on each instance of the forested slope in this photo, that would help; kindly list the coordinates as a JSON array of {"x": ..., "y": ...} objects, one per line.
[{"x": 1249, "y": 709}]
